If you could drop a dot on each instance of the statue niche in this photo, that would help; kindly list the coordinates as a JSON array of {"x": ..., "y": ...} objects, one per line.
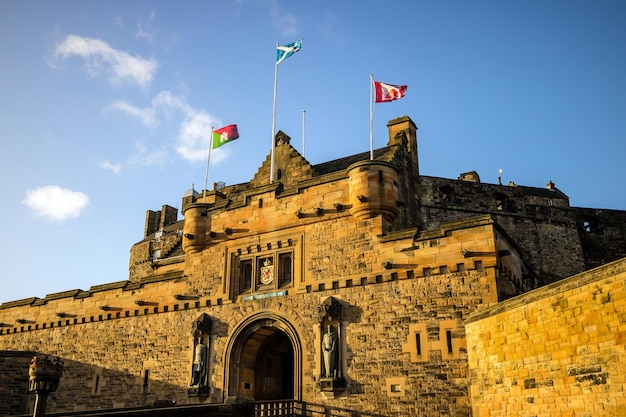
[
  {"x": 199, "y": 366},
  {"x": 329, "y": 352},
  {"x": 199, "y": 385},
  {"x": 329, "y": 317}
]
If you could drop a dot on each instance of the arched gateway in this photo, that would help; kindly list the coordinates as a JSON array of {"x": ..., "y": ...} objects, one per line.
[{"x": 264, "y": 359}]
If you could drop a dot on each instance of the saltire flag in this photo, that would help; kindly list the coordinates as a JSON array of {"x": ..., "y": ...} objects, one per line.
[
  {"x": 285, "y": 51},
  {"x": 388, "y": 92},
  {"x": 224, "y": 135}
]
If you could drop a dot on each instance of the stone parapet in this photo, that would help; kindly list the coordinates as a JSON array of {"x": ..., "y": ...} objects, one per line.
[{"x": 557, "y": 350}]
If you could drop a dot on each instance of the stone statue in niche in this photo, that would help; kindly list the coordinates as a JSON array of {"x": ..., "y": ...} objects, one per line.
[
  {"x": 330, "y": 316},
  {"x": 201, "y": 335},
  {"x": 329, "y": 352},
  {"x": 198, "y": 370}
]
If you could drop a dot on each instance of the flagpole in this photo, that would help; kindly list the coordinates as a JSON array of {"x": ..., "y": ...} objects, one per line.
[
  {"x": 371, "y": 119},
  {"x": 303, "y": 119},
  {"x": 274, "y": 118},
  {"x": 206, "y": 176}
]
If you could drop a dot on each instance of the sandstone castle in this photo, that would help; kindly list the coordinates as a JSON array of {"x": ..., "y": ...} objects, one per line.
[{"x": 358, "y": 284}]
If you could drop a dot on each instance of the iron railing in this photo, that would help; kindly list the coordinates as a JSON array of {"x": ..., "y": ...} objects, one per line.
[
  {"x": 278, "y": 408},
  {"x": 294, "y": 408}
]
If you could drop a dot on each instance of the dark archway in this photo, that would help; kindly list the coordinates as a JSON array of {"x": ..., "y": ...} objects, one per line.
[{"x": 264, "y": 361}]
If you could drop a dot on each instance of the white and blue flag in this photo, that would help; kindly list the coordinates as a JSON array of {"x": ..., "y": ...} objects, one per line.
[{"x": 285, "y": 51}]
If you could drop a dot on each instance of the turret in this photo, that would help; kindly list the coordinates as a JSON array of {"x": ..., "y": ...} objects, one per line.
[
  {"x": 197, "y": 226},
  {"x": 373, "y": 189},
  {"x": 403, "y": 128},
  {"x": 197, "y": 208},
  {"x": 157, "y": 220}
]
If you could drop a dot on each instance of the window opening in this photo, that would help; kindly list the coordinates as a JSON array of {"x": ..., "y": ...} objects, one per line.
[
  {"x": 500, "y": 199},
  {"x": 285, "y": 269},
  {"x": 96, "y": 386},
  {"x": 445, "y": 191},
  {"x": 418, "y": 344},
  {"x": 245, "y": 267},
  {"x": 146, "y": 378}
]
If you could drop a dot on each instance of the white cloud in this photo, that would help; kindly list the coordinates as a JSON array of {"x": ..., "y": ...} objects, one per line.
[
  {"x": 148, "y": 157},
  {"x": 114, "y": 168},
  {"x": 195, "y": 127},
  {"x": 100, "y": 57},
  {"x": 144, "y": 34},
  {"x": 147, "y": 117},
  {"x": 147, "y": 33},
  {"x": 194, "y": 135},
  {"x": 55, "y": 203},
  {"x": 283, "y": 20},
  {"x": 163, "y": 104},
  {"x": 166, "y": 101}
]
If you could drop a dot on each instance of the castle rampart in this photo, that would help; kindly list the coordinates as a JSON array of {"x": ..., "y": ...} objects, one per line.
[
  {"x": 558, "y": 350},
  {"x": 347, "y": 283}
]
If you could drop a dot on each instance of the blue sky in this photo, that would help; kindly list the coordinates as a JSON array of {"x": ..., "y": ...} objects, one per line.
[{"x": 106, "y": 107}]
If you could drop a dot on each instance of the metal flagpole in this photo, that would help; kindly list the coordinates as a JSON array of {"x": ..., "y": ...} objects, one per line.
[
  {"x": 206, "y": 176},
  {"x": 274, "y": 119},
  {"x": 371, "y": 118},
  {"x": 303, "y": 114}
]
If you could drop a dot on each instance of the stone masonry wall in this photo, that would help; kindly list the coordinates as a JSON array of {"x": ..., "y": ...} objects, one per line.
[
  {"x": 557, "y": 351},
  {"x": 603, "y": 235},
  {"x": 106, "y": 362},
  {"x": 351, "y": 251},
  {"x": 544, "y": 227},
  {"x": 14, "y": 398},
  {"x": 130, "y": 355}
]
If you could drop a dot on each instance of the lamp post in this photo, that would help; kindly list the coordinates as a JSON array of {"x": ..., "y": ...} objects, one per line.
[{"x": 44, "y": 374}]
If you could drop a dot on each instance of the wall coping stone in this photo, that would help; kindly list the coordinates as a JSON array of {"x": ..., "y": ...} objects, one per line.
[{"x": 610, "y": 270}]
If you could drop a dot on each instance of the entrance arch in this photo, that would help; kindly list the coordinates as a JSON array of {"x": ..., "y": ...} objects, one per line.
[{"x": 263, "y": 359}]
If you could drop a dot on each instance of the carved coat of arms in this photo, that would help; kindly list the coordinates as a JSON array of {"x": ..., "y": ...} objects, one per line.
[{"x": 267, "y": 272}]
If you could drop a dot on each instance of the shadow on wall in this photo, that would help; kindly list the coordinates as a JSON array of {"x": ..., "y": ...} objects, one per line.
[{"x": 83, "y": 387}]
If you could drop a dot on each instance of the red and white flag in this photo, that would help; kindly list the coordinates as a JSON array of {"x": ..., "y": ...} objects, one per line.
[{"x": 388, "y": 92}]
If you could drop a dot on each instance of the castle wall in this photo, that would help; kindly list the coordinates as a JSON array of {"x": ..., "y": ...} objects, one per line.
[
  {"x": 14, "y": 382},
  {"x": 407, "y": 258},
  {"x": 602, "y": 233},
  {"x": 556, "y": 351},
  {"x": 541, "y": 221},
  {"x": 131, "y": 355}
]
